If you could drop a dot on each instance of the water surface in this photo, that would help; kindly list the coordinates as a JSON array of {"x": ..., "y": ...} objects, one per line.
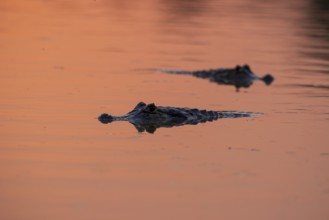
[{"x": 63, "y": 63}]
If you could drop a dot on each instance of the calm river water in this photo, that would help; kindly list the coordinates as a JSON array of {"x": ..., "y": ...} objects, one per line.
[{"x": 63, "y": 63}]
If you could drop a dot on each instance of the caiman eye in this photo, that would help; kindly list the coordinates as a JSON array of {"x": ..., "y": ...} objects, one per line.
[
  {"x": 150, "y": 107},
  {"x": 139, "y": 105},
  {"x": 237, "y": 68},
  {"x": 247, "y": 67}
]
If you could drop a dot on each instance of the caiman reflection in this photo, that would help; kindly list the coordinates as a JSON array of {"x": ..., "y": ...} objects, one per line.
[
  {"x": 240, "y": 76},
  {"x": 149, "y": 117}
]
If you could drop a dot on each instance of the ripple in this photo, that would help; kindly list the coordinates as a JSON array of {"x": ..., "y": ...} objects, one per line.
[{"x": 313, "y": 86}]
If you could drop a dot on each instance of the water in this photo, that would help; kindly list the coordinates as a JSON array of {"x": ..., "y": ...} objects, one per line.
[{"x": 63, "y": 63}]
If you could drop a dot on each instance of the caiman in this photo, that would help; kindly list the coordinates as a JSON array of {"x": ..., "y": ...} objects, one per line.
[
  {"x": 240, "y": 76},
  {"x": 149, "y": 117}
]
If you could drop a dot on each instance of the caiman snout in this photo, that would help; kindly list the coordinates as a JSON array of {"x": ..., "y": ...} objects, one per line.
[
  {"x": 268, "y": 79},
  {"x": 105, "y": 118}
]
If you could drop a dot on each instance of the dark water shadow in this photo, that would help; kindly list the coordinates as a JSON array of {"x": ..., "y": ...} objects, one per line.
[
  {"x": 315, "y": 27},
  {"x": 183, "y": 11},
  {"x": 183, "y": 22}
]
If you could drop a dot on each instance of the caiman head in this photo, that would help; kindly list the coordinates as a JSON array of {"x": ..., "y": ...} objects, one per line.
[
  {"x": 148, "y": 117},
  {"x": 244, "y": 77}
]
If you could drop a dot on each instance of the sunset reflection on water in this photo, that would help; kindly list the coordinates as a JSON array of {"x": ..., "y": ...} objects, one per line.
[{"x": 63, "y": 63}]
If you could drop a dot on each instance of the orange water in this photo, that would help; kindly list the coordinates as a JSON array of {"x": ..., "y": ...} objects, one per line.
[{"x": 63, "y": 63}]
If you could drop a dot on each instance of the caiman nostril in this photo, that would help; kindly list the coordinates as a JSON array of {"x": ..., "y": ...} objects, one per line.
[
  {"x": 268, "y": 79},
  {"x": 105, "y": 118}
]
